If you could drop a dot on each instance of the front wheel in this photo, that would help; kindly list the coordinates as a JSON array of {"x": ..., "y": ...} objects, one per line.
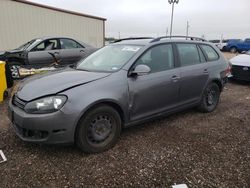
[
  {"x": 98, "y": 130},
  {"x": 210, "y": 98}
]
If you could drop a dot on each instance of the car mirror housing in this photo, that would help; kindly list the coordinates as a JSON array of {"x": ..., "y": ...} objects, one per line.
[{"x": 141, "y": 70}]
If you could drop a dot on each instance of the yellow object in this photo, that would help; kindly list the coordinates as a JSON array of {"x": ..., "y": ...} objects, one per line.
[{"x": 3, "y": 83}]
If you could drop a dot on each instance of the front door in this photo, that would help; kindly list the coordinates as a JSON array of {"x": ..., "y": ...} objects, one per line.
[
  {"x": 45, "y": 53},
  {"x": 157, "y": 91}
]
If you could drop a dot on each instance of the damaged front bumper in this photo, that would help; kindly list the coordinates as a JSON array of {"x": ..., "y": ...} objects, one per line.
[{"x": 52, "y": 128}]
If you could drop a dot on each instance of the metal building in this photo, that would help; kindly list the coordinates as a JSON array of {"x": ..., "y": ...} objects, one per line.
[{"x": 21, "y": 21}]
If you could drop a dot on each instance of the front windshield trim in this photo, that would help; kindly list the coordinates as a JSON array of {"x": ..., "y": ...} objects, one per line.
[
  {"x": 26, "y": 45},
  {"x": 111, "y": 71}
]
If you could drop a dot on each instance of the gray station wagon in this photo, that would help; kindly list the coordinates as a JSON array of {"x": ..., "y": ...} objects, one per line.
[{"x": 123, "y": 84}]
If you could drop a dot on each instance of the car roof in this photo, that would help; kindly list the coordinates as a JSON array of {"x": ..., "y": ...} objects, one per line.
[
  {"x": 53, "y": 37},
  {"x": 47, "y": 38}
]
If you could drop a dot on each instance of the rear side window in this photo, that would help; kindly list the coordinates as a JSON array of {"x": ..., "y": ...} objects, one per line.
[
  {"x": 210, "y": 52},
  {"x": 202, "y": 57},
  {"x": 188, "y": 54},
  {"x": 69, "y": 44}
]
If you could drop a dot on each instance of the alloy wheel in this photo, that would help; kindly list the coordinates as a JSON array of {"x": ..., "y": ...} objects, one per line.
[{"x": 15, "y": 71}]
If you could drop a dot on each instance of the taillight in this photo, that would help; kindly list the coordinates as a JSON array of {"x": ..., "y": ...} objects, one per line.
[{"x": 228, "y": 70}]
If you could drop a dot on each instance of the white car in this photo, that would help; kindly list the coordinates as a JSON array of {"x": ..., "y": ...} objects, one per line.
[
  {"x": 241, "y": 66},
  {"x": 221, "y": 44}
]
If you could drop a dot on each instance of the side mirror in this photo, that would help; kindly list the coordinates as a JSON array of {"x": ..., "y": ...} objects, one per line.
[{"x": 141, "y": 70}]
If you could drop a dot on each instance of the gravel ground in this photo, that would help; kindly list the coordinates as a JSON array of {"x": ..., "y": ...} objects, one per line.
[{"x": 201, "y": 150}]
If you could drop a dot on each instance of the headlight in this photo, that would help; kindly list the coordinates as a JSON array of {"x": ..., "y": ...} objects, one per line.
[{"x": 46, "y": 105}]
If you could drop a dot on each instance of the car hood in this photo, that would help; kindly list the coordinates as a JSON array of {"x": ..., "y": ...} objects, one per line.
[
  {"x": 13, "y": 51},
  {"x": 241, "y": 60},
  {"x": 3, "y": 53},
  {"x": 55, "y": 82}
]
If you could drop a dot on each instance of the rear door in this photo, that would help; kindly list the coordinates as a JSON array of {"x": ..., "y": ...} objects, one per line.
[
  {"x": 71, "y": 51},
  {"x": 194, "y": 72},
  {"x": 44, "y": 53},
  {"x": 157, "y": 91}
]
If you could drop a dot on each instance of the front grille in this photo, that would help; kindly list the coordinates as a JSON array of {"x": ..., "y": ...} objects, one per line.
[
  {"x": 18, "y": 102},
  {"x": 239, "y": 72},
  {"x": 31, "y": 134}
]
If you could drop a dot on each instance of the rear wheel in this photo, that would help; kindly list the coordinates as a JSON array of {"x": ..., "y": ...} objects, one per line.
[
  {"x": 98, "y": 130},
  {"x": 233, "y": 49},
  {"x": 210, "y": 98}
]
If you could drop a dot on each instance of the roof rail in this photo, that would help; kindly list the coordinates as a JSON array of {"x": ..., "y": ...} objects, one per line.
[
  {"x": 133, "y": 38},
  {"x": 186, "y": 37}
]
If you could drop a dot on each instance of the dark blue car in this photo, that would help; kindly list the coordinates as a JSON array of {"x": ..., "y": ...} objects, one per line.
[{"x": 237, "y": 45}]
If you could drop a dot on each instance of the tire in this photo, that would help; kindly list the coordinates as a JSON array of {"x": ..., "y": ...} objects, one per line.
[
  {"x": 233, "y": 50},
  {"x": 98, "y": 130},
  {"x": 8, "y": 76},
  {"x": 5, "y": 95},
  {"x": 210, "y": 98},
  {"x": 13, "y": 67}
]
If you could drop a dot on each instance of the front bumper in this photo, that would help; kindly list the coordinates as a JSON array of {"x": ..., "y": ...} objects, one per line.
[{"x": 53, "y": 128}]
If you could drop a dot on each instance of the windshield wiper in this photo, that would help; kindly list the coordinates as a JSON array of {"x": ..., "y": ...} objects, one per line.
[{"x": 82, "y": 69}]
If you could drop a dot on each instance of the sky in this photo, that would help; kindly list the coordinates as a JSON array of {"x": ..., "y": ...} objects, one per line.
[{"x": 134, "y": 18}]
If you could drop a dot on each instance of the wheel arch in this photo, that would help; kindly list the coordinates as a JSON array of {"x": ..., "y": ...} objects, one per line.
[
  {"x": 218, "y": 82},
  {"x": 106, "y": 102}
]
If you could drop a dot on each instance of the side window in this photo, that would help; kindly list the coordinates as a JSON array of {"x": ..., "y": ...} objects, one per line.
[
  {"x": 69, "y": 44},
  {"x": 202, "y": 57},
  {"x": 46, "y": 45},
  {"x": 247, "y": 40},
  {"x": 158, "y": 58},
  {"x": 188, "y": 54},
  {"x": 210, "y": 52}
]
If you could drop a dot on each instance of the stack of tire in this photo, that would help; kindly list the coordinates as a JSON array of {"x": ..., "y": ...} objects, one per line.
[{"x": 9, "y": 78}]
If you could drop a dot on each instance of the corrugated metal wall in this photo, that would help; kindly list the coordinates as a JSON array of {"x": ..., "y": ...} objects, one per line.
[{"x": 21, "y": 22}]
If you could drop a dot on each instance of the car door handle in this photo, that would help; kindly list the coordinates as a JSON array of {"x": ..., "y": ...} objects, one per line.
[
  {"x": 56, "y": 53},
  {"x": 175, "y": 78},
  {"x": 205, "y": 71},
  {"x": 82, "y": 51}
]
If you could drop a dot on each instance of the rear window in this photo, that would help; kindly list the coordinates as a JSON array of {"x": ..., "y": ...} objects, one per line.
[{"x": 210, "y": 52}]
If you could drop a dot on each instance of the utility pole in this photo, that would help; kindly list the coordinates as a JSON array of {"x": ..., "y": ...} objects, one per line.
[
  {"x": 187, "y": 29},
  {"x": 172, "y": 15},
  {"x": 167, "y": 31}
]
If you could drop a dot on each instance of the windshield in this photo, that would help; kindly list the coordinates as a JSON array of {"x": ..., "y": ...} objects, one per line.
[
  {"x": 109, "y": 59},
  {"x": 26, "y": 45}
]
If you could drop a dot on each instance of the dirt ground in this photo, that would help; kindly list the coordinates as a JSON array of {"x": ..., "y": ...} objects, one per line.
[{"x": 201, "y": 150}]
